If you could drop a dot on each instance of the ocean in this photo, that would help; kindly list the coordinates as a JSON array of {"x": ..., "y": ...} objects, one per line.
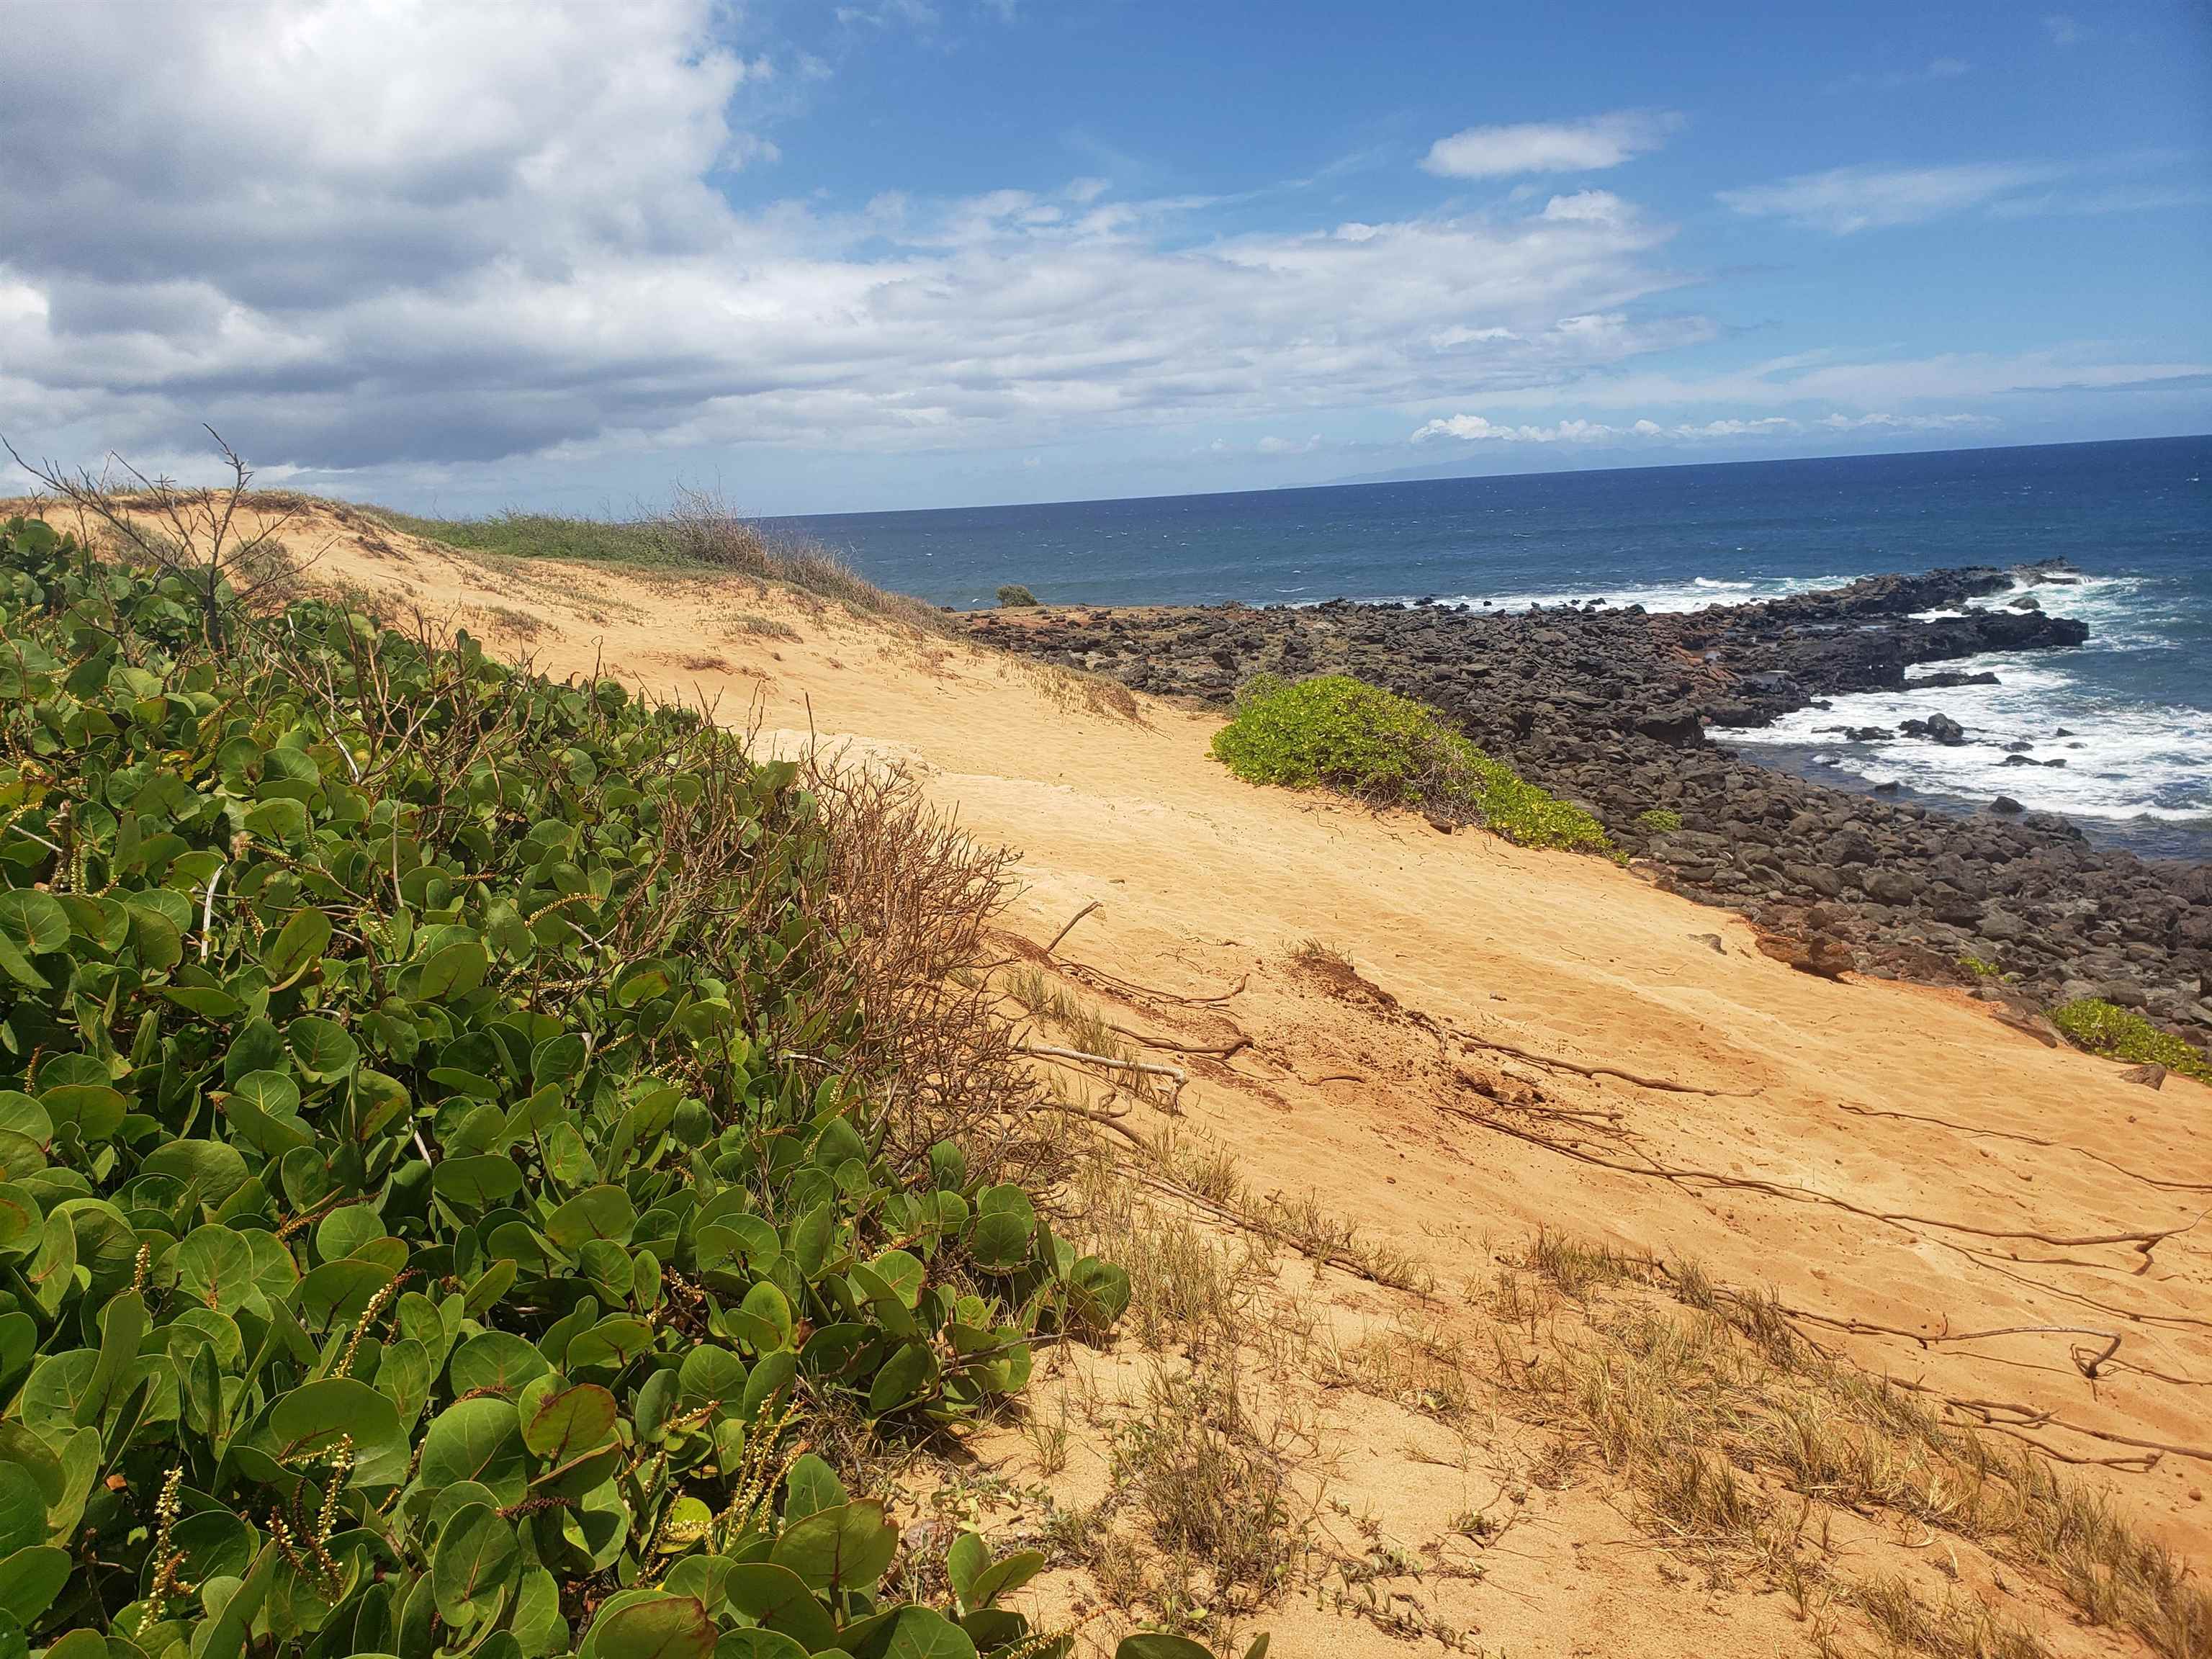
[{"x": 2134, "y": 518}]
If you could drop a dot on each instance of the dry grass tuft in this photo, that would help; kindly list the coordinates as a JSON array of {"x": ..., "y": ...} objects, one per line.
[
  {"x": 914, "y": 899},
  {"x": 767, "y": 628},
  {"x": 1336, "y": 975},
  {"x": 505, "y": 621},
  {"x": 1079, "y": 692},
  {"x": 1953, "y": 1629},
  {"x": 1207, "y": 1482},
  {"x": 699, "y": 531},
  {"x": 700, "y": 528}
]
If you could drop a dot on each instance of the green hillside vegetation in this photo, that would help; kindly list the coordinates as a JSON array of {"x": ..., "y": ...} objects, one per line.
[
  {"x": 1337, "y": 732},
  {"x": 461, "y": 1138}
]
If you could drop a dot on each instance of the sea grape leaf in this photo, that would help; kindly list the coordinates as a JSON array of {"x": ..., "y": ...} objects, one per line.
[
  {"x": 844, "y": 1548},
  {"x": 570, "y": 1422},
  {"x": 478, "y": 1558},
  {"x": 479, "y": 1440}
]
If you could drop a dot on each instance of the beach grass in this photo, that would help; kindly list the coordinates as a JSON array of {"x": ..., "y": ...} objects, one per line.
[{"x": 697, "y": 531}]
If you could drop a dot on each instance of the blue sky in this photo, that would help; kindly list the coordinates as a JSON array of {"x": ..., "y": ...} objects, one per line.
[{"x": 923, "y": 252}]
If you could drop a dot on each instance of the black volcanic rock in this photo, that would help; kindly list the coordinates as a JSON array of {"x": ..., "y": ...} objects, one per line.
[{"x": 1944, "y": 678}]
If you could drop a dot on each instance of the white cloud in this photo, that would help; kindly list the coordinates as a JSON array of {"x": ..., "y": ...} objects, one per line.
[
  {"x": 1473, "y": 429},
  {"x": 1272, "y": 444},
  {"x": 1599, "y": 141},
  {"x": 1588, "y": 207},
  {"x": 1844, "y": 200},
  {"x": 409, "y": 233},
  {"x": 1767, "y": 426},
  {"x": 2064, "y": 30},
  {"x": 1905, "y": 423}
]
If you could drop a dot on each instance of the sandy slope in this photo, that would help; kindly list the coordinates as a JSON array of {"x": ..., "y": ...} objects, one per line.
[{"x": 1929, "y": 1169}]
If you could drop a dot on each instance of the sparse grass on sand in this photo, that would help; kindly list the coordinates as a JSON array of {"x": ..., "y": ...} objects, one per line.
[
  {"x": 1337, "y": 732},
  {"x": 699, "y": 531}
]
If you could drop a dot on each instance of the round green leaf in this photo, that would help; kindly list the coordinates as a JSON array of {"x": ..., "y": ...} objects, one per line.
[
  {"x": 308, "y": 1421},
  {"x": 570, "y": 1423},
  {"x": 479, "y": 1557},
  {"x": 324, "y": 1049},
  {"x": 34, "y": 922},
  {"x": 598, "y": 1213},
  {"x": 496, "y": 1362},
  {"x": 298, "y": 943},
  {"x": 214, "y": 1267},
  {"x": 22, "y": 1509},
  {"x": 30, "y": 1579},
  {"x": 477, "y": 1183},
  {"x": 655, "y": 1628},
  {"x": 846, "y": 1548},
  {"x": 477, "y": 1440},
  {"x": 453, "y": 970}
]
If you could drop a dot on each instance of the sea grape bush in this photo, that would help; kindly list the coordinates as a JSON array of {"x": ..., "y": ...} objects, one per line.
[
  {"x": 433, "y": 1199},
  {"x": 1338, "y": 732}
]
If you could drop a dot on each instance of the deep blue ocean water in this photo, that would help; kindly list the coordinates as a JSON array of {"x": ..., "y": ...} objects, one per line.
[{"x": 2135, "y": 518}]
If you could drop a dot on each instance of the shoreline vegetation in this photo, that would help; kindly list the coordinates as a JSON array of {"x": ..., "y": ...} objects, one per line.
[{"x": 1205, "y": 1401}]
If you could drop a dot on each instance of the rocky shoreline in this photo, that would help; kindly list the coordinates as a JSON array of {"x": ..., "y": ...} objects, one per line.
[{"x": 1627, "y": 712}]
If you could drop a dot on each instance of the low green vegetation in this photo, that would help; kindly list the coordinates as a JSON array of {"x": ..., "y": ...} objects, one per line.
[
  {"x": 459, "y": 1148},
  {"x": 1337, "y": 732},
  {"x": 2103, "y": 1028},
  {"x": 641, "y": 541},
  {"x": 1979, "y": 967},
  {"x": 1659, "y": 821},
  {"x": 1013, "y": 596}
]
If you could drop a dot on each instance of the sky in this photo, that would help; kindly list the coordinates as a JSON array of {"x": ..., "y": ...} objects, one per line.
[{"x": 457, "y": 256}]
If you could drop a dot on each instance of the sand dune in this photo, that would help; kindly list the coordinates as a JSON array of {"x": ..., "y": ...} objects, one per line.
[{"x": 1902, "y": 1170}]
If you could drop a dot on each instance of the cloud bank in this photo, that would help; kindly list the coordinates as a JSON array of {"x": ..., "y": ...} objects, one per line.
[{"x": 364, "y": 236}]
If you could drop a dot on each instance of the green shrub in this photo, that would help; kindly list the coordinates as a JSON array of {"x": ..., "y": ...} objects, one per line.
[
  {"x": 1659, "y": 820},
  {"x": 2117, "y": 1033},
  {"x": 1979, "y": 967},
  {"x": 1013, "y": 594},
  {"x": 1337, "y": 732},
  {"x": 445, "y": 1163}
]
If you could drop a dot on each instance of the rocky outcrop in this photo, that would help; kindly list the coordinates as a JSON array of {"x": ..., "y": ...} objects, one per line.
[{"x": 1624, "y": 711}]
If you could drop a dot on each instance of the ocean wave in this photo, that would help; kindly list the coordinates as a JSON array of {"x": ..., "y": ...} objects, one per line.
[
  {"x": 2122, "y": 761},
  {"x": 1695, "y": 594},
  {"x": 2124, "y": 758},
  {"x": 2124, "y": 613}
]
